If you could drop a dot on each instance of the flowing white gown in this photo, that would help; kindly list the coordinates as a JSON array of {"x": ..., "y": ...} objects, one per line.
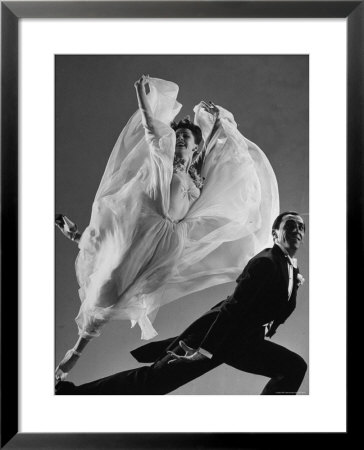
[{"x": 139, "y": 251}]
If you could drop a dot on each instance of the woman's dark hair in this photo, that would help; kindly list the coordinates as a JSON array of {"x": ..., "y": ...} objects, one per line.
[
  {"x": 279, "y": 219},
  {"x": 186, "y": 123}
]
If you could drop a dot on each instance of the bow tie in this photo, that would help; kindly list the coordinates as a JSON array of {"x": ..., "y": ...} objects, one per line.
[{"x": 292, "y": 261}]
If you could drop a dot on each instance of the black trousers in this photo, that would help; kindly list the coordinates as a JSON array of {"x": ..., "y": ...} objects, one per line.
[{"x": 285, "y": 369}]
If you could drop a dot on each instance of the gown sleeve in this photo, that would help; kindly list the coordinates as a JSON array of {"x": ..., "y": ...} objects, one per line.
[{"x": 135, "y": 146}]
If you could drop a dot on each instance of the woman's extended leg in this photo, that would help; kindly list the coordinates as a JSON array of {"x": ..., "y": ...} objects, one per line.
[{"x": 70, "y": 359}]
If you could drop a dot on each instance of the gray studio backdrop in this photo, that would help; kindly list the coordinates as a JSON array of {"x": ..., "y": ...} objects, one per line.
[{"x": 95, "y": 97}]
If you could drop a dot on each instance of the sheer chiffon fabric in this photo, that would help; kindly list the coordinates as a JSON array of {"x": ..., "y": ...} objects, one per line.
[{"x": 133, "y": 257}]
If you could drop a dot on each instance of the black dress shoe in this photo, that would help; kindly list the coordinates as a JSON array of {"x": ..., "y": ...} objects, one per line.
[{"x": 64, "y": 388}]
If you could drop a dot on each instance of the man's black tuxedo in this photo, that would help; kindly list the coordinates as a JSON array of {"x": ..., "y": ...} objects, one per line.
[
  {"x": 260, "y": 297},
  {"x": 232, "y": 331}
]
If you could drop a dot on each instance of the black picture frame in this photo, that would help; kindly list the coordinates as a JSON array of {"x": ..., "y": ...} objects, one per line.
[{"x": 11, "y": 12}]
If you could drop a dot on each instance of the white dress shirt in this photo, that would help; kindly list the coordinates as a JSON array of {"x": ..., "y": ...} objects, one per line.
[{"x": 291, "y": 263}]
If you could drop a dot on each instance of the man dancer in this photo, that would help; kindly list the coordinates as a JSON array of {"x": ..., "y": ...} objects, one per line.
[{"x": 233, "y": 332}]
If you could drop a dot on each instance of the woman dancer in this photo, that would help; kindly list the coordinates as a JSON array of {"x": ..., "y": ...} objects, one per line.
[{"x": 158, "y": 229}]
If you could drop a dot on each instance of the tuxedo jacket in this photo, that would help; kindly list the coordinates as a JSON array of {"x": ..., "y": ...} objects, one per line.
[{"x": 260, "y": 297}]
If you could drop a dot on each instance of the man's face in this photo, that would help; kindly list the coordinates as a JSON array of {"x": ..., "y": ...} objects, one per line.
[{"x": 291, "y": 232}]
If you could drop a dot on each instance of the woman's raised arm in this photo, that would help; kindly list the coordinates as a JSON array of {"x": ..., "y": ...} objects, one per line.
[
  {"x": 141, "y": 87},
  {"x": 213, "y": 110}
]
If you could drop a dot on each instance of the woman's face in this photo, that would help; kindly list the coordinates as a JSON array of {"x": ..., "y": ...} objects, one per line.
[{"x": 185, "y": 143}]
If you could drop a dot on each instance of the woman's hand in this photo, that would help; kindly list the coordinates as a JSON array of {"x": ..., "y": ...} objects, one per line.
[
  {"x": 142, "y": 90},
  {"x": 68, "y": 362},
  {"x": 210, "y": 108},
  {"x": 142, "y": 84}
]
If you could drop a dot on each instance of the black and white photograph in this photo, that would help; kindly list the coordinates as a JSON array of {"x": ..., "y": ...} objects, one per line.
[
  {"x": 181, "y": 182},
  {"x": 182, "y": 224}
]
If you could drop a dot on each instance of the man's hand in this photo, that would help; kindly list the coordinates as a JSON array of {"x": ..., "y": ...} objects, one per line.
[
  {"x": 68, "y": 228},
  {"x": 191, "y": 355},
  {"x": 271, "y": 330},
  {"x": 270, "y": 333}
]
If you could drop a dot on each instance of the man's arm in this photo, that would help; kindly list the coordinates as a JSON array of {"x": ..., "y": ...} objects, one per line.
[
  {"x": 247, "y": 298},
  {"x": 68, "y": 228}
]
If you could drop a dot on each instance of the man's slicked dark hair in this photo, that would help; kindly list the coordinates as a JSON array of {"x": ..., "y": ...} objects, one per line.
[
  {"x": 279, "y": 219},
  {"x": 186, "y": 123}
]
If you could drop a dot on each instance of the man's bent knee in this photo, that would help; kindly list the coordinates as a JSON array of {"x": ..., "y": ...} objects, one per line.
[{"x": 299, "y": 365}]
